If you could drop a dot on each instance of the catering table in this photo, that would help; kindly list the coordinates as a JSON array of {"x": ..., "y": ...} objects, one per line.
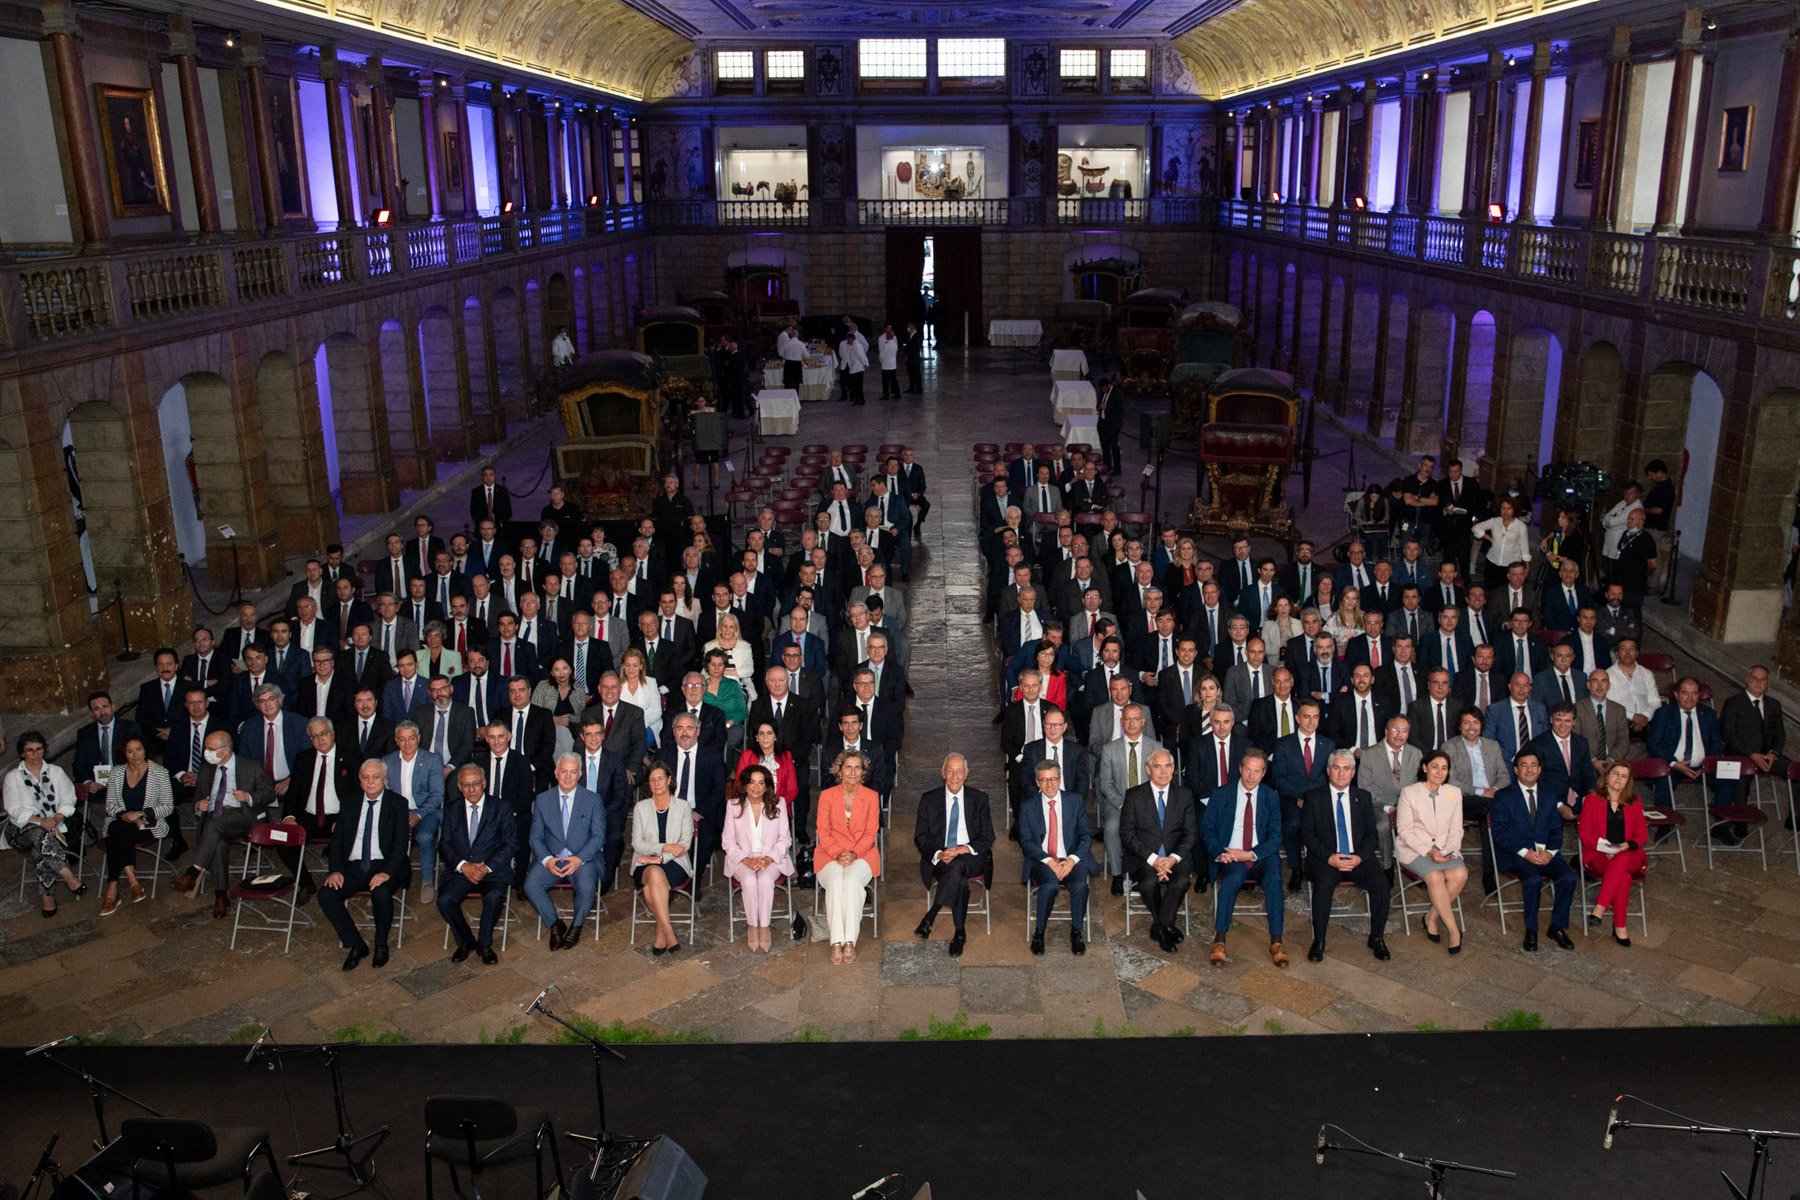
[
  {"x": 1068, "y": 364},
  {"x": 1015, "y": 333},
  {"x": 778, "y": 411},
  {"x": 1072, "y": 396},
  {"x": 1081, "y": 428},
  {"x": 817, "y": 382}
]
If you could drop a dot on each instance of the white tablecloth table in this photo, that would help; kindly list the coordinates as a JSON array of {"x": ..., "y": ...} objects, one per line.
[
  {"x": 772, "y": 376},
  {"x": 1069, "y": 397},
  {"x": 1080, "y": 427},
  {"x": 778, "y": 412},
  {"x": 816, "y": 383},
  {"x": 1068, "y": 364},
  {"x": 1015, "y": 333}
]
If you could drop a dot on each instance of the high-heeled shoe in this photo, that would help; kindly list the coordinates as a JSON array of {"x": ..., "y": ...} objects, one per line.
[
  {"x": 78, "y": 892},
  {"x": 658, "y": 951},
  {"x": 1623, "y": 941},
  {"x": 1456, "y": 949},
  {"x": 1435, "y": 937},
  {"x": 47, "y": 913}
]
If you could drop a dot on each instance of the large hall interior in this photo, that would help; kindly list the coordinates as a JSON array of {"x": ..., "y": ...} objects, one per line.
[{"x": 786, "y": 538}]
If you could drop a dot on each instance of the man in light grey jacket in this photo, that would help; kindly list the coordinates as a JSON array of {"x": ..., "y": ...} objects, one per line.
[{"x": 1114, "y": 776}]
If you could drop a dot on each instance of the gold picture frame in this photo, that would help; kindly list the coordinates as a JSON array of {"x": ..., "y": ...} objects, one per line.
[
  {"x": 1735, "y": 126},
  {"x": 132, "y": 142}
]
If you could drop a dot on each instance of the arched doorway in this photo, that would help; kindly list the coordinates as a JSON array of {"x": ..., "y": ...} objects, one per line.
[
  {"x": 1384, "y": 413},
  {"x": 356, "y": 453},
  {"x": 559, "y": 312},
  {"x": 1428, "y": 385},
  {"x": 537, "y": 341},
  {"x": 1524, "y": 441},
  {"x": 209, "y": 461},
  {"x": 1600, "y": 381},
  {"x": 1478, "y": 391},
  {"x": 483, "y": 386},
  {"x": 508, "y": 358},
  {"x": 582, "y": 330},
  {"x": 186, "y": 497},
  {"x": 113, "y": 508},
  {"x": 1365, "y": 314}
]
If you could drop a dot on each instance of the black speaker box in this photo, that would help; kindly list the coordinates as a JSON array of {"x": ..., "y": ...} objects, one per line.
[{"x": 663, "y": 1172}]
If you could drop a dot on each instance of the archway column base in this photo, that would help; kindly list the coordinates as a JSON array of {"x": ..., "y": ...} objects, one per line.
[
  {"x": 41, "y": 681},
  {"x": 259, "y": 561},
  {"x": 368, "y": 493}
]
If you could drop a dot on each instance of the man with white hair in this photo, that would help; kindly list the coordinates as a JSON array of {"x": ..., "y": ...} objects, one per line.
[
  {"x": 568, "y": 834},
  {"x": 370, "y": 852}
]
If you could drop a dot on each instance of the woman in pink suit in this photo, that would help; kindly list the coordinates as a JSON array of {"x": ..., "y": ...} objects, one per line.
[
  {"x": 757, "y": 848},
  {"x": 845, "y": 859},
  {"x": 1614, "y": 815}
]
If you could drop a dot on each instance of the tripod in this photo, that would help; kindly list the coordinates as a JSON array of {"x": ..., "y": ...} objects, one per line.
[
  {"x": 356, "y": 1152},
  {"x": 47, "y": 1171},
  {"x": 1436, "y": 1168},
  {"x": 614, "y": 1153}
]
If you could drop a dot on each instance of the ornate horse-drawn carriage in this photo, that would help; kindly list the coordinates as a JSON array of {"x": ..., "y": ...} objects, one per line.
[
  {"x": 1207, "y": 343},
  {"x": 675, "y": 336},
  {"x": 613, "y": 409},
  {"x": 718, "y": 312},
  {"x": 1108, "y": 280},
  {"x": 1147, "y": 338},
  {"x": 1247, "y": 446},
  {"x": 1081, "y": 324},
  {"x": 761, "y": 294}
]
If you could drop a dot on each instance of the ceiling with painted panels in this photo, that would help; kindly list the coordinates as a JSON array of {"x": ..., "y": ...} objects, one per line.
[{"x": 714, "y": 19}]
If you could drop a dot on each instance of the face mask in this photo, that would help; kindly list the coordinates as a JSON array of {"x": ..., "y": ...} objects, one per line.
[{"x": 212, "y": 756}]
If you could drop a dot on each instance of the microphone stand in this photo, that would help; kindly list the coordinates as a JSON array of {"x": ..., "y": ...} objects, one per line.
[
  {"x": 98, "y": 1090},
  {"x": 1759, "y": 1149},
  {"x": 599, "y": 1049},
  {"x": 1438, "y": 1168},
  {"x": 614, "y": 1154},
  {"x": 359, "y": 1165}
]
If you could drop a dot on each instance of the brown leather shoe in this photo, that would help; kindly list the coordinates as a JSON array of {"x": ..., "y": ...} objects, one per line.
[
  {"x": 189, "y": 883},
  {"x": 1278, "y": 954},
  {"x": 304, "y": 896},
  {"x": 1217, "y": 958},
  {"x": 221, "y": 906}
]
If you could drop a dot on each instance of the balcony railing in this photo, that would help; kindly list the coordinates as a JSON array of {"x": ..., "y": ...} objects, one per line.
[
  {"x": 713, "y": 214},
  {"x": 1743, "y": 280},
  {"x": 931, "y": 212},
  {"x": 51, "y": 299}
]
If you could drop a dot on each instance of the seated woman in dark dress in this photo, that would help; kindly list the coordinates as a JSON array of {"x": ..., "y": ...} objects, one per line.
[{"x": 139, "y": 799}]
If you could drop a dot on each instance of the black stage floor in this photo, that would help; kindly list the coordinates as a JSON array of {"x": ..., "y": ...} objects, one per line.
[{"x": 1215, "y": 1117}]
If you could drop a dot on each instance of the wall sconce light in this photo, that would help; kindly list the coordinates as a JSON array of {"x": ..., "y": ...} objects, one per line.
[
  {"x": 594, "y": 200},
  {"x": 230, "y": 41},
  {"x": 384, "y": 216},
  {"x": 443, "y": 83},
  {"x": 1360, "y": 203},
  {"x": 1512, "y": 60},
  {"x": 1496, "y": 211},
  {"x": 506, "y": 209},
  {"x": 1711, "y": 24},
  {"x": 1274, "y": 197}
]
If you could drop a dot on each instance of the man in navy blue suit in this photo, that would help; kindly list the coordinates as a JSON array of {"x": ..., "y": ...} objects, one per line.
[
  {"x": 603, "y": 773},
  {"x": 477, "y": 848},
  {"x": 1516, "y": 718},
  {"x": 1057, "y": 844},
  {"x": 568, "y": 836},
  {"x": 1567, "y": 763},
  {"x": 1298, "y": 767},
  {"x": 1684, "y": 734},
  {"x": 1526, "y": 828},
  {"x": 1240, "y": 835},
  {"x": 1564, "y": 599}
]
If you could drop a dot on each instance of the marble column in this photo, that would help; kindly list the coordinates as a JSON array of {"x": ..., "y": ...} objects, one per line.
[
  {"x": 1341, "y": 182},
  {"x": 381, "y": 119},
  {"x": 1313, "y": 153},
  {"x": 1432, "y": 157},
  {"x": 433, "y": 145},
  {"x": 1407, "y": 139},
  {"x": 1603, "y": 200},
  {"x": 1534, "y": 134},
  {"x": 1668, "y": 186},
  {"x": 1365, "y": 176},
  {"x": 193, "y": 119},
  {"x": 92, "y": 225},
  {"x": 331, "y": 74},
  {"x": 1237, "y": 157},
  {"x": 262, "y": 133},
  {"x": 1784, "y": 173},
  {"x": 1488, "y": 137}
]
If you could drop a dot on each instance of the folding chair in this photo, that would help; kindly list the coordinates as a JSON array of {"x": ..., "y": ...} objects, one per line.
[
  {"x": 1064, "y": 915},
  {"x": 505, "y": 921},
  {"x": 1346, "y": 912},
  {"x": 1134, "y": 906},
  {"x": 367, "y": 923},
  {"x": 1793, "y": 846},
  {"x": 686, "y": 890},
  {"x": 871, "y": 905},
  {"x": 1661, "y": 818},
  {"x": 1411, "y": 882},
  {"x": 184, "y": 1155},
  {"x": 1503, "y": 877},
  {"x": 1753, "y": 815},
  {"x": 479, "y": 1133},
  {"x": 984, "y": 910},
  {"x": 1641, "y": 912},
  {"x": 268, "y": 903},
  {"x": 564, "y": 915}
]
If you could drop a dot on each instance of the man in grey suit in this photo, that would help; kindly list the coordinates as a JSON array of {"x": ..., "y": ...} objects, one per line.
[
  {"x": 1386, "y": 767},
  {"x": 1107, "y": 721},
  {"x": 893, "y": 604},
  {"x": 1478, "y": 769},
  {"x": 1604, "y": 723},
  {"x": 1123, "y": 764},
  {"x": 1089, "y": 614},
  {"x": 231, "y": 794},
  {"x": 1044, "y": 495},
  {"x": 390, "y": 631},
  {"x": 568, "y": 835},
  {"x": 447, "y": 728},
  {"x": 1251, "y": 679}
]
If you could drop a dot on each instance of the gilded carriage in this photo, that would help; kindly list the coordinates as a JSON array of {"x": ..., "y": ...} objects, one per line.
[
  {"x": 1146, "y": 337},
  {"x": 760, "y": 292},
  {"x": 675, "y": 336},
  {"x": 1207, "y": 343},
  {"x": 613, "y": 407},
  {"x": 1247, "y": 447},
  {"x": 718, "y": 312},
  {"x": 1109, "y": 280},
  {"x": 1081, "y": 323}
]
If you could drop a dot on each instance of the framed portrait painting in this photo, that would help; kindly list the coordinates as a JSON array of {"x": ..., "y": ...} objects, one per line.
[
  {"x": 284, "y": 128},
  {"x": 452, "y": 160},
  {"x": 132, "y": 144},
  {"x": 1734, "y": 137},
  {"x": 1587, "y": 153}
]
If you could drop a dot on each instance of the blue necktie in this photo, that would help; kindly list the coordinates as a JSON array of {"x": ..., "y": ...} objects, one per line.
[
  {"x": 368, "y": 846},
  {"x": 593, "y": 773},
  {"x": 1162, "y": 808},
  {"x": 955, "y": 820},
  {"x": 581, "y": 665},
  {"x": 1343, "y": 826}
]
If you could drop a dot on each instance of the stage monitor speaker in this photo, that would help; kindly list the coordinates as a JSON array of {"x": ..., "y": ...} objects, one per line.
[
  {"x": 663, "y": 1172},
  {"x": 108, "y": 1174},
  {"x": 1153, "y": 431},
  {"x": 711, "y": 433}
]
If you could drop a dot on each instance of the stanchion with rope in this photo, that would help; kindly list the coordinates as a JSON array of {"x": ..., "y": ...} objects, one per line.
[
  {"x": 199, "y": 598},
  {"x": 128, "y": 654}
]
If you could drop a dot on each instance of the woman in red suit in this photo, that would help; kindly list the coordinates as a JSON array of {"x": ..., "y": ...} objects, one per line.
[
  {"x": 764, "y": 749},
  {"x": 1615, "y": 816},
  {"x": 1056, "y": 680}
]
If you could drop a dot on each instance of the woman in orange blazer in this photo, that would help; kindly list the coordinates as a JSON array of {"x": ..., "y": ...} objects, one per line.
[
  {"x": 844, "y": 858},
  {"x": 1614, "y": 815},
  {"x": 764, "y": 749}
]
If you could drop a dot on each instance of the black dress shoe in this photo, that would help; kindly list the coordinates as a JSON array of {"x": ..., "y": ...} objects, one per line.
[
  {"x": 488, "y": 956},
  {"x": 658, "y": 951},
  {"x": 1531, "y": 940},
  {"x": 351, "y": 959},
  {"x": 1315, "y": 952},
  {"x": 1623, "y": 941},
  {"x": 923, "y": 932},
  {"x": 1175, "y": 934},
  {"x": 1294, "y": 881},
  {"x": 1560, "y": 936},
  {"x": 956, "y": 944},
  {"x": 799, "y": 927},
  {"x": 1201, "y": 883},
  {"x": 573, "y": 937},
  {"x": 559, "y": 935},
  {"x": 460, "y": 954},
  {"x": 1378, "y": 947},
  {"x": 1077, "y": 943},
  {"x": 1118, "y": 885},
  {"x": 380, "y": 958},
  {"x": 1037, "y": 942}
]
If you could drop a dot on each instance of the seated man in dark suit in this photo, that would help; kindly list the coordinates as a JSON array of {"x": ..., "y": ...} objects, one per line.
[
  {"x": 1526, "y": 829},
  {"x": 1058, "y": 854},
  {"x": 101, "y": 744},
  {"x": 477, "y": 853},
  {"x": 1157, "y": 831},
  {"x": 1343, "y": 845},
  {"x": 1566, "y": 761},
  {"x": 1751, "y": 726},
  {"x": 370, "y": 851},
  {"x": 954, "y": 832},
  {"x": 1240, "y": 836},
  {"x": 1060, "y": 746}
]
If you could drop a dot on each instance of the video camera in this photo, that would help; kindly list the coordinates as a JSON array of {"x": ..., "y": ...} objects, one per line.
[{"x": 1572, "y": 484}]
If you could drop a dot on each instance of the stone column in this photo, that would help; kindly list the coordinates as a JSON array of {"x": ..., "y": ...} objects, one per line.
[
  {"x": 244, "y": 502},
  {"x": 331, "y": 74},
  {"x": 459, "y": 96},
  {"x": 1377, "y": 406},
  {"x": 553, "y": 151},
  {"x": 1341, "y": 184},
  {"x": 1340, "y": 376},
  {"x": 1784, "y": 171},
  {"x": 1668, "y": 187},
  {"x": 603, "y": 138},
  {"x": 1413, "y": 430},
  {"x": 1268, "y": 155},
  {"x": 1697, "y": 155},
  {"x": 1603, "y": 200},
  {"x": 92, "y": 226},
  {"x": 434, "y": 168},
  {"x": 381, "y": 119},
  {"x": 1489, "y": 136},
  {"x": 262, "y": 134},
  {"x": 1234, "y": 189},
  {"x": 1534, "y": 134},
  {"x": 1360, "y": 185},
  {"x": 1432, "y": 156},
  {"x": 506, "y": 148},
  {"x": 1311, "y": 155},
  {"x": 1459, "y": 387},
  {"x": 193, "y": 119},
  {"x": 1408, "y": 137}
]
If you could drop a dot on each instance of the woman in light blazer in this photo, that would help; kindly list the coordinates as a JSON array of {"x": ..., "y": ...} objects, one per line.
[
  {"x": 40, "y": 798},
  {"x": 139, "y": 799},
  {"x": 436, "y": 659},
  {"x": 845, "y": 859},
  {"x": 758, "y": 848},
  {"x": 1428, "y": 831},
  {"x": 662, "y": 834}
]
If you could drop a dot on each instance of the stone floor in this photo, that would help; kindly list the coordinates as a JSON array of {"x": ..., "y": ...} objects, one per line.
[{"x": 1724, "y": 944}]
